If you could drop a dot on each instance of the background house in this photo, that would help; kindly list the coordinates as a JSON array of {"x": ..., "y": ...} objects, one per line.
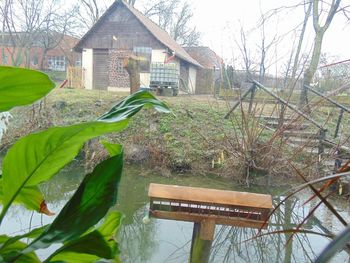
[
  {"x": 42, "y": 50},
  {"x": 120, "y": 32},
  {"x": 210, "y": 75}
]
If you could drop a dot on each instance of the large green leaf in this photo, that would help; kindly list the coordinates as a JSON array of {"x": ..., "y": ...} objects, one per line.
[
  {"x": 13, "y": 249},
  {"x": 31, "y": 197},
  {"x": 95, "y": 195},
  {"x": 99, "y": 243},
  {"x": 19, "y": 86},
  {"x": 37, "y": 157},
  {"x": 31, "y": 234},
  {"x": 132, "y": 104}
]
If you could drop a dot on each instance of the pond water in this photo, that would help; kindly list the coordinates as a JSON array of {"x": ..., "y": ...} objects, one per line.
[{"x": 169, "y": 241}]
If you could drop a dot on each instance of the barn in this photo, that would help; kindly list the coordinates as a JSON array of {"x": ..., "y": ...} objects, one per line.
[
  {"x": 121, "y": 31},
  {"x": 209, "y": 77}
]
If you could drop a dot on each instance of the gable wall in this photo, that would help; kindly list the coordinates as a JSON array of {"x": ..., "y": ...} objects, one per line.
[{"x": 121, "y": 30}]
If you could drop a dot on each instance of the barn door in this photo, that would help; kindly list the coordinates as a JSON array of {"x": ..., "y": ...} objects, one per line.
[{"x": 100, "y": 69}]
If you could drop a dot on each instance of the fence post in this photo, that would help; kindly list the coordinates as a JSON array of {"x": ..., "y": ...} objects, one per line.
[
  {"x": 321, "y": 138},
  {"x": 338, "y": 123},
  {"x": 252, "y": 95},
  {"x": 281, "y": 117}
]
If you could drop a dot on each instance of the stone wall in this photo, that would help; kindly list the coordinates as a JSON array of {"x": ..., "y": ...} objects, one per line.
[{"x": 118, "y": 76}]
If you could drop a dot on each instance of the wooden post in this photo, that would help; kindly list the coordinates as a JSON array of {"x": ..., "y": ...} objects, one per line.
[
  {"x": 200, "y": 248},
  {"x": 321, "y": 138},
  {"x": 132, "y": 66},
  {"x": 338, "y": 123},
  {"x": 281, "y": 117},
  {"x": 252, "y": 95},
  {"x": 245, "y": 94}
]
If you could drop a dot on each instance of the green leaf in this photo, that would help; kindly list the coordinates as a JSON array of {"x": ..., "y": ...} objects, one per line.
[
  {"x": 32, "y": 234},
  {"x": 19, "y": 86},
  {"x": 99, "y": 243},
  {"x": 14, "y": 248},
  {"x": 37, "y": 157},
  {"x": 30, "y": 197},
  {"x": 111, "y": 148},
  {"x": 96, "y": 194},
  {"x": 132, "y": 104}
]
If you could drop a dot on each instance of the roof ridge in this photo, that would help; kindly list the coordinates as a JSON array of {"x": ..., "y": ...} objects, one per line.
[{"x": 138, "y": 13}]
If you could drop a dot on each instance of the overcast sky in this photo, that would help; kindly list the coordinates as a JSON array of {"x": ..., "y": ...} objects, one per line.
[{"x": 220, "y": 21}]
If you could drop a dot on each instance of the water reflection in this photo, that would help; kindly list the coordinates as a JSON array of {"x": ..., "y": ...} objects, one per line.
[{"x": 169, "y": 241}]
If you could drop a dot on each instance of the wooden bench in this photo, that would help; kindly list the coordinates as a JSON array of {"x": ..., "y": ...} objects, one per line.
[{"x": 209, "y": 207}]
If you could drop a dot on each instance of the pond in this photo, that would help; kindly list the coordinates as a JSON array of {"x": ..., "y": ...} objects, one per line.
[{"x": 169, "y": 241}]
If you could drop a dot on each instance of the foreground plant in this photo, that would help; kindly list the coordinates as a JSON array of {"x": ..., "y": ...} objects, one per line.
[{"x": 37, "y": 157}]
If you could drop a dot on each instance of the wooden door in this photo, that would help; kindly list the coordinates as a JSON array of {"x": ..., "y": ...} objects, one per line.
[{"x": 100, "y": 69}]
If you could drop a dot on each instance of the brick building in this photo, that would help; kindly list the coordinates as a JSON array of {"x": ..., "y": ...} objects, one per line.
[{"x": 15, "y": 52}]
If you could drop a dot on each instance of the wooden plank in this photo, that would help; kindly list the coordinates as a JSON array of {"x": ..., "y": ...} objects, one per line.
[
  {"x": 211, "y": 196},
  {"x": 286, "y": 103},
  {"x": 328, "y": 99},
  {"x": 301, "y": 134},
  {"x": 219, "y": 220}
]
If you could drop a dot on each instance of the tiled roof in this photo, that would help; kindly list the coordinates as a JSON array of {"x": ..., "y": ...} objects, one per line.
[
  {"x": 205, "y": 56},
  {"x": 152, "y": 27}
]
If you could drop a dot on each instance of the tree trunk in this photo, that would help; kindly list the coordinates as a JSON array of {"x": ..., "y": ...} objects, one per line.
[
  {"x": 43, "y": 58},
  {"x": 300, "y": 42},
  {"x": 132, "y": 66},
  {"x": 316, "y": 53},
  {"x": 311, "y": 70}
]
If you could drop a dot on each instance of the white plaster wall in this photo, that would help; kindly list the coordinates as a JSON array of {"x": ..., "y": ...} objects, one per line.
[
  {"x": 119, "y": 90},
  {"x": 158, "y": 55},
  {"x": 87, "y": 67},
  {"x": 177, "y": 62},
  {"x": 192, "y": 75},
  {"x": 145, "y": 79}
]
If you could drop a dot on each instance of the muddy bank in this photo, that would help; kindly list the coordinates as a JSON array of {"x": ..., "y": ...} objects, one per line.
[{"x": 196, "y": 139}]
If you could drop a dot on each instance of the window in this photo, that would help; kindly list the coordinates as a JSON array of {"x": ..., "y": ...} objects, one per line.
[
  {"x": 4, "y": 59},
  {"x": 145, "y": 53},
  {"x": 78, "y": 62},
  {"x": 56, "y": 63},
  {"x": 35, "y": 60}
]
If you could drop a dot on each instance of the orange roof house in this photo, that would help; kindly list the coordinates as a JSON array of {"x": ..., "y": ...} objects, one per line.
[{"x": 15, "y": 52}]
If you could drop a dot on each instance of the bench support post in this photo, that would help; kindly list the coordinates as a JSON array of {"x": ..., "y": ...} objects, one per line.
[{"x": 202, "y": 239}]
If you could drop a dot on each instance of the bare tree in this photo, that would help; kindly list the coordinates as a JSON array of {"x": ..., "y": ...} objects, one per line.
[
  {"x": 317, "y": 45},
  {"x": 30, "y": 23},
  {"x": 131, "y": 2},
  {"x": 245, "y": 51},
  {"x": 89, "y": 12},
  {"x": 300, "y": 40},
  {"x": 174, "y": 16}
]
